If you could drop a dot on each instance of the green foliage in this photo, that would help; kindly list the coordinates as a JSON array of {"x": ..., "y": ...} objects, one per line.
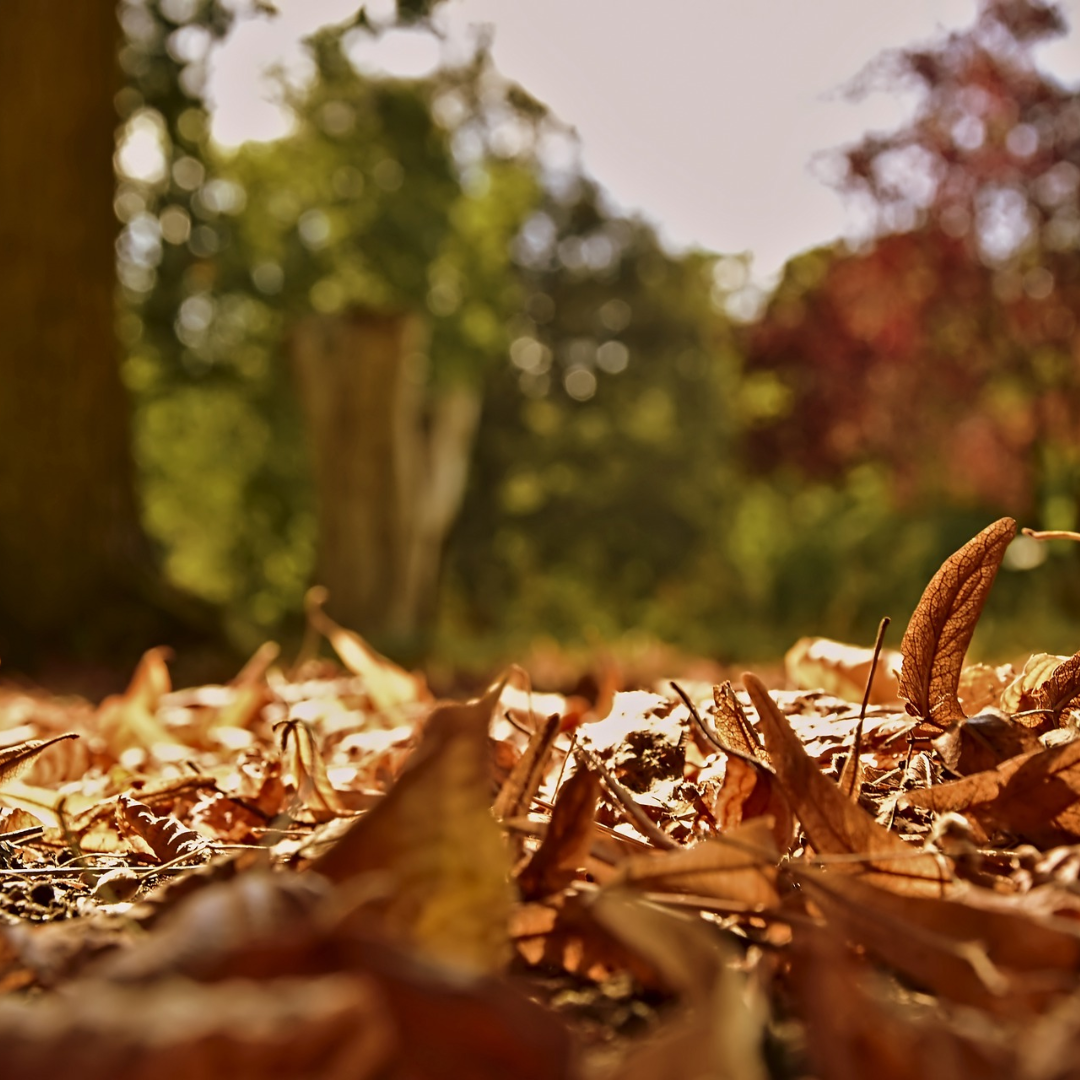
[{"x": 642, "y": 464}]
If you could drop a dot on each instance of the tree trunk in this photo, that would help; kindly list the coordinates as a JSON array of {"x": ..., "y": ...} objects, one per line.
[
  {"x": 71, "y": 546},
  {"x": 390, "y": 467}
]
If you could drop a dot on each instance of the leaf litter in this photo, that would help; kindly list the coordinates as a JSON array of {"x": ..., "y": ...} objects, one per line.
[{"x": 323, "y": 871}]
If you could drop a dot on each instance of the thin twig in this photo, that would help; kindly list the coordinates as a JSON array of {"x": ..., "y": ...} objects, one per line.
[
  {"x": 1051, "y": 534},
  {"x": 852, "y": 765}
]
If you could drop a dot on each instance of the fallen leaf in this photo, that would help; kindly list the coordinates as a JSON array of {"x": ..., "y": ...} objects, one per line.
[
  {"x": 436, "y": 838},
  {"x": 1012, "y": 937},
  {"x": 521, "y": 785},
  {"x": 854, "y": 1031},
  {"x": 739, "y": 865},
  {"x": 960, "y": 970},
  {"x": 314, "y": 792},
  {"x": 983, "y": 742},
  {"x": 16, "y": 760},
  {"x": 565, "y": 847},
  {"x": 816, "y": 663},
  {"x": 335, "y": 1027},
  {"x": 834, "y": 824},
  {"x": 1035, "y": 795},
  {"x": 388, "y": 685},
  {"x": 937, "y": 637},
  {"x": 732, "y": 726},
  {"x": 1061, "y": 689},
  {"x": 166, "y": 837}
]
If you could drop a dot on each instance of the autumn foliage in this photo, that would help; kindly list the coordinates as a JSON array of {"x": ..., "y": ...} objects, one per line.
[{"x": 324, "y": 871}]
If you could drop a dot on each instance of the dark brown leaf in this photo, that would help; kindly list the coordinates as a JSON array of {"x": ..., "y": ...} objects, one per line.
[
  {"x": 566, "y": 845},
  {"x": 937, "y": 637},
  {"x": 522, "y": 783}
]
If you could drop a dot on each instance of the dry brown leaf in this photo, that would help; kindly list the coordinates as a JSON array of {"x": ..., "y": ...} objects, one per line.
[
  {"x": 166, "y": 837},
  {"x": 1035, "y": 795},
  {"x": 937, "y": 637},
  {"x": 1012, "y": 937},
  {"x": 566, "y": 844},
  {"x": 739, "y": 865},
  {"x": 315, "y": 795},
  {"x": 1061, "y": 689},
  {"x": 834, "y": 824},
  {"x": 854, "y": 1032},
  {"x": 816, "y": 663},
  {"x": 521, "y": 785},
  {"x": 16, "y": 760},
  {"x": 435, "y": 836},
  {"x": 129, "y": 720},
  {"x": 388, "y": 685},
  {"x": 748, "y": 791},
  {"x": 983, "y": 742},
  {"x": 960, "y": 970},
  {"x": 732, "y": 725}
]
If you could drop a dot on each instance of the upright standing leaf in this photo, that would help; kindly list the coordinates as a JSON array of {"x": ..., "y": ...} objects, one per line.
[{"x": 940, "y": 629}]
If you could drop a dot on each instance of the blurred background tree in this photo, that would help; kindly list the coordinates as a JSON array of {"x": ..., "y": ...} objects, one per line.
[
  {"x": 76, "y": 575},
  {"x": 410, "y": 351}
]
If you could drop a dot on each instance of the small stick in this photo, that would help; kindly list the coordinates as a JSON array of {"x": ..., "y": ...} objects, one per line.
[
  {"x": 852, "y": 765},
  {"x": 1051, "y": 534}
]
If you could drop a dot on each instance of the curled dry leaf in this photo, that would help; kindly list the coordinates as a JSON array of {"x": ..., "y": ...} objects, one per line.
[
  {"x": 834, "y": 824},
  {"x": 15, "y": 760},
  {"x": 1059, "y": 690},
  {"x": 434, "y": 837},
  {"x": 166, "y": 837},
  {"x": 1035, "y": 795},
  {"x": 315, "y": 795},
  {"x": 937, "y": 637}
]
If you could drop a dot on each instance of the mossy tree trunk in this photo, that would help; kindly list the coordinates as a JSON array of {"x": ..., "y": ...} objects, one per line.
[
  {"x": 71, "y": 549},
  {"x": 390, "y": 467}
]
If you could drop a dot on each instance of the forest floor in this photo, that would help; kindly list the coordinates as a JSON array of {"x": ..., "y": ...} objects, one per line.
[{"x": 863, "y": 866}]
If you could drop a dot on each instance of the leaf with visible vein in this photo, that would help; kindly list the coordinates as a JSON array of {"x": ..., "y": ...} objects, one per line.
[
  {"x": 15, "y": 760},
  {"x": 1061, "y": 689},
  {"x": 937, "y": 637}
]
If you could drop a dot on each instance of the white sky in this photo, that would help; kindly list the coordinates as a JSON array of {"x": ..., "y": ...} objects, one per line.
[{"x": 703, "y": 115}]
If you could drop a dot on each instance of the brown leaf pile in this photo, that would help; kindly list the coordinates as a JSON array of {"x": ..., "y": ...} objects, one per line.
[{"x": 327, "y": 873}]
